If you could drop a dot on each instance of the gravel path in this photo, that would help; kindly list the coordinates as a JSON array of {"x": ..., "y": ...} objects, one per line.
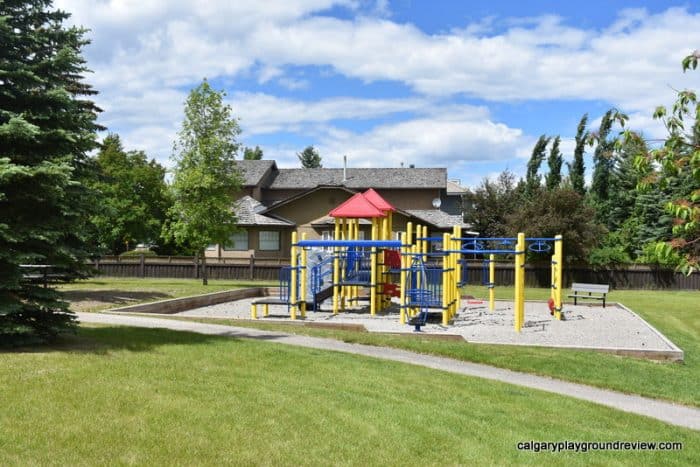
[{"x": 665, "y": 411}]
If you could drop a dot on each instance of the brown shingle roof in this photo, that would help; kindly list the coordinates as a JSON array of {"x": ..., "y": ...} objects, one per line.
[
  {"x": 438, "y": 218},
  {"x": 361, "y": 178},
  {"x": 248, "y": 211},
  {"x": 253, "y": 171}
]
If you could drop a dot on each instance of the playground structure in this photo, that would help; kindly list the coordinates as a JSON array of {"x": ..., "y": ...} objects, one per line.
[{"x": 424, "y": 273}]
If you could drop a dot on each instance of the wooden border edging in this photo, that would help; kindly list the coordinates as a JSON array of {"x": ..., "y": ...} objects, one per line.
[{"x": 176, "y": 305}]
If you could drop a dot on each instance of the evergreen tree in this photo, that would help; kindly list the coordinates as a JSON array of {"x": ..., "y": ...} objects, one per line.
[
  {"x": 206, "y": 178},
  {"x": 624, "y": 178},
  {"x": 47, "y": 128},
  {"x": 554, "y": 162},
  {"x": 134, "y": 197},
  {"x": 253, "y": 154},
  {"x": 577, "y": 168},
  {"x": 310, "y": 158},
  {"x": 532, "y": 177}
]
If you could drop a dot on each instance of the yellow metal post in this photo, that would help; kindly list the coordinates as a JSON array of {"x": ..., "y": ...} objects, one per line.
[
  {"x": 521, "y": 236},
  {"x": 519, "y": 308},
  {"x": 336, "y": 269},
  {"x": 343, "y": 289},
  {"x": 304, "y": 278},
  {"x": 373, "y": 271},
  {"x": 266, "y": 309},
  {"x": 293, "y": 279},
  {"x": 559, "y": 258},
  {"x": 408, "y": 241},
  {"x": 253, "y": 311},
  {"x": 456, "y": 246},
  {"x": 492, "y": 280},
  {"x": 402, "y": 281},
  {"x": 445, "y": 280}
]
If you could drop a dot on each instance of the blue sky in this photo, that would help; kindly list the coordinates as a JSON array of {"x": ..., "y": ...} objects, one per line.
[{"x": 463, "y": 85}]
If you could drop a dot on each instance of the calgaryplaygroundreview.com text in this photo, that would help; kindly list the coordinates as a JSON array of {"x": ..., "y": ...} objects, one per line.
[{"x": 586, "y": 446}]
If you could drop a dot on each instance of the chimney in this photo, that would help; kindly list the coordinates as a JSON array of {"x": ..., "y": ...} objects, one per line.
[{"x": 345, "y": 168}]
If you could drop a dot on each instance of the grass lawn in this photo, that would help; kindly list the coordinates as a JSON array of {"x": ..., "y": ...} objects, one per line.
[
  {"x": 144, "y": 396},
  {"x": 102, "y": 293},
  {"x": 674, "y": 313}
]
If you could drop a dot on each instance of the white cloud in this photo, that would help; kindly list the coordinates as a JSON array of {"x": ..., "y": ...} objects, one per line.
[
  {"x": 445, "y": 141},
  {"x": 146, "y": 52}
]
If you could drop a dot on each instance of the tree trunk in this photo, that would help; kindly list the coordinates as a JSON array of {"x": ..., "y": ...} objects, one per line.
[{"x": 205, "y": 280}]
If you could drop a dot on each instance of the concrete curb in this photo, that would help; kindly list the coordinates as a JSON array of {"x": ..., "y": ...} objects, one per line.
[{"x": 176, "y": 305}]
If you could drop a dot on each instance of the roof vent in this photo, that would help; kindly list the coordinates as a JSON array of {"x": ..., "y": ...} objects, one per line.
[{"x": 345, "y": 168}]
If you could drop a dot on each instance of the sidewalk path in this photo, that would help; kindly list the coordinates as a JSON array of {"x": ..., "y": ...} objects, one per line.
[{"x": 668, "y": 412}]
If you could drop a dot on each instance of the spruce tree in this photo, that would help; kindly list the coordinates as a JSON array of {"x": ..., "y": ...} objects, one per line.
[
  {"x": 310, "y": 158},
  {"x": 47, "y": 127},
  {"x": 577, "y": 168},
  {"x": 554, "y": 162}
]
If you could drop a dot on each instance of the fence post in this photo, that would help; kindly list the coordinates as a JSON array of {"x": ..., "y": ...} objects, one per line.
[
  {"x": 142, "y": 266},
  {"x": 252, "y": 266},
  {"x": 196, "y": 265}
]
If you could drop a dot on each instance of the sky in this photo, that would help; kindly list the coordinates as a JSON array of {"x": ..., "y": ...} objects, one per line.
[{"x": 464, "y": 85}]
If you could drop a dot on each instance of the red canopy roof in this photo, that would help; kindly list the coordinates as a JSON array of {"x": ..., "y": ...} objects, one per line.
[
  {"x": 376, "y": 199},
  {"x": 358, "y": 206}
]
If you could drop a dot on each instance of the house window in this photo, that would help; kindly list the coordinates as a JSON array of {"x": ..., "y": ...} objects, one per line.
[
  {"x": 361, "y": 235},
  {"x": 269, "y": 240},
  {"x": 211, "y": 247},
  {"x": 237, "y": 242}
]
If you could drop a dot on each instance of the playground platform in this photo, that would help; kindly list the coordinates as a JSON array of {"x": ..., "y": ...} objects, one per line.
[{"x": 613, "y": 329}]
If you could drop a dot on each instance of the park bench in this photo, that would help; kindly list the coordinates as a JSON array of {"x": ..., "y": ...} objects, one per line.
[
  {"x": 579, "y": 289},
  {"x": 45, "y": 274}
]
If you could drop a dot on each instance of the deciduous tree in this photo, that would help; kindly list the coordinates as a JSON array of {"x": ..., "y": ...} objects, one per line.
[
  {"x": 532, "y": 177},
  {"x": 253, "y": 154},
  {"x": 554, "y": 163},
  {"x": 488, "y": 206},
  {"x": 205, "y": 177},
  {"x": 577, "y": 168},
  {"x": 135, "y": 199},
  {"x": 676, "y": 165}
]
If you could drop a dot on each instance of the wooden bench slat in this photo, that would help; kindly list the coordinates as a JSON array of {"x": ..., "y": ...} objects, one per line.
[{"x": 590, "y": 289}]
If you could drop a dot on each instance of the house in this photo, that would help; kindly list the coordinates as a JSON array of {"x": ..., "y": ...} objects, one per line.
[{"x": 274, "y": 202}]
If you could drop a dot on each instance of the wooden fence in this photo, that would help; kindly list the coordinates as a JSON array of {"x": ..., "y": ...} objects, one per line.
[{"x": 536, "y": 275}]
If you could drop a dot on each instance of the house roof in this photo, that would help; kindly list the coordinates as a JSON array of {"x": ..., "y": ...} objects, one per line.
[
  {"x": 361, "y": 178},
  {"x": 358, "y": 206},
  {"x": 248, "y": 211},
  {"x": 376, "y": 199},
  {"x": 455, "y": 188},
  {"x": 253, "y": 171},
  {"x": 439, "y": 219}
]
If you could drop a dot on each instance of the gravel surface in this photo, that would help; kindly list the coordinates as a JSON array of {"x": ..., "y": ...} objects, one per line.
[{"x": 584, "y": 325}]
